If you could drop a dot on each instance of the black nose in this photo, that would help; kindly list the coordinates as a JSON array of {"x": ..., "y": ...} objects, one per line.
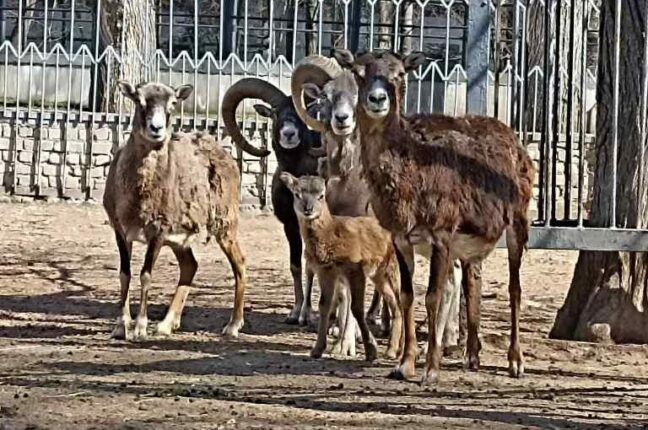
[
  {"x": 341, "y": 117},
  {"x": 288, "y": 134},
  {"x": 377, "y": 98},
  {"x": 155, "y": 128}
]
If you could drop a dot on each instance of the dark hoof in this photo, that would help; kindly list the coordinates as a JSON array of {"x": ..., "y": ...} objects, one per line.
[
  {"x": 292, "y": 320},
  {"x": 402, "y": 373}
]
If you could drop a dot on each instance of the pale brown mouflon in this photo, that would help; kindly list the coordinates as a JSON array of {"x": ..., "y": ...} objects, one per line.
[
  {"x": 341, "y": 249},
  {"x": 166, "y": 189},
  {"x": 453, "y": 184}
]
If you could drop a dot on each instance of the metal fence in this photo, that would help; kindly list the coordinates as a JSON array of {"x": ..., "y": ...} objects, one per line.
[{"x": 531, "y": 63}]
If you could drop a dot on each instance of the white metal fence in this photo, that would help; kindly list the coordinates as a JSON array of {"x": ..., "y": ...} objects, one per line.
[{"x": 531, "y": 63}]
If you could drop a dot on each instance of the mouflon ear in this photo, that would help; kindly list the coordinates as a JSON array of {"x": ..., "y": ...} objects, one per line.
[
  {"x": 344, "y": 57},
  {"x": 128, "y": 90},
  {"x": 183, "y": 92},
  {"x": 289, "y": 181},
  {"x": 312, "y": 90},
  {"x": 263, "y": 110},
  {"x": 413, "y": 61}
]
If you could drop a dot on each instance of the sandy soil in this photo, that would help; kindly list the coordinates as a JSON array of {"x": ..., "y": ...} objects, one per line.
[{"x": 59, "y": 369}]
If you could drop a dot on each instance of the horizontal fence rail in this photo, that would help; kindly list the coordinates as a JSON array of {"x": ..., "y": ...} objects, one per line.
[{"x": 532, "y": 64}]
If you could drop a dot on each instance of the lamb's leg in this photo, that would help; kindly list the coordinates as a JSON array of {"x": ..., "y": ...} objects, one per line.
[
  {"x": 385, "y": 318},
  {"x": 305, "y": 315},
  {"x": 407, "y": 367},
  {"x": 188, "y": 266},
  {"x": 231, "y": 248},
  {"x": 295, "y": 244},
  {"x": 386, "y": 283},
  {"x": 439, "y": 266},
  {"x": 346, "y": 343},
  {"x": 327, "y": 287},
  {"x": 152, "y": 251},
  {"x": 357, "y": 285},
  {"x": 472, "y": 293},
  {"x": 453, "y": 295},
  {"x": 449, "y": 299},
  {"x": 516, "y": 239},
  {"x": 122, "y": 328},
  {"x": 373, "y": 314}
]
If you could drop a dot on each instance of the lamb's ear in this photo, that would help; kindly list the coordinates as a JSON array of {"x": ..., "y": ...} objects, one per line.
[
  {"x": 413, "y": 61},
  {"x": 312, "y": 90},
  {"x": 183, "y": 92},
  {"x": 289, "y": 181},
  {"x": 128, "y": 90},
  {"x": 344, "y": 57},
  {"x": 263, "y": 110}
]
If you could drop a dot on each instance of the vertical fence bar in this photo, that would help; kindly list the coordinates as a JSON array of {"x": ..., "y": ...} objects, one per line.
[
  {"x": 372, "y": 12},
  {"x": 120, "y": 97},
  {"x": 195, "y": 66},
  {"x": 615, "y": 107},
  {"x": 515, "y": 65},
  {"x": 41, "y": 120},
  {"x": 67, "y": 116},
  {"x": 221, "y": 38},
  {"x": 320, "y": 26},
  {"x": 478, "y": 49},
  {"x": 556, "y": 115},
  {"x": 270, "y": 34},
  {"x": 245, "y": 36},
  {"x": 644, "y": 126},
  {"x": 545, "y": 147},
  {"x": 524, "y": 73},
  {"x": 170, "y": 59},
  {"x": 496, "y": 57},
  {"x": 14, "y": 155},
  {"x": 396, "y": 26},
  {"x": 583, "y": 119},
  {"x": 569, "y": 138},
  {"x": 294, "y": 36}
]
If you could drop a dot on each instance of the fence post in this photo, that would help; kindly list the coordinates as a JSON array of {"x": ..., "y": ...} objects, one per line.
[{"x": 478, "y": 47}]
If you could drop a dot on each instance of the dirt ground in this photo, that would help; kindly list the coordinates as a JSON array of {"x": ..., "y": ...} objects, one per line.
[{"x": 59, "y": 369}]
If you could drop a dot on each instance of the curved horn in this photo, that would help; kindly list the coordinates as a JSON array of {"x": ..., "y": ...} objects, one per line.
[
  {"x": 315, "y": 69},
  {"x": 244, "y": 89}
]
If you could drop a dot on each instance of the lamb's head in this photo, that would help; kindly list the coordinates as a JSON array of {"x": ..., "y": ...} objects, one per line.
[
  {"x": 381, "y": 80},
  {"x": 155, "y": 104},
  {"x": 289, "y": 133},
  {"x": 308, "y": 195}
]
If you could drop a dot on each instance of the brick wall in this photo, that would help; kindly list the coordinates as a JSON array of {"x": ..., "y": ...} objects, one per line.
[
  {"x": 82, "y": 172},
  {"x": 72, "y": 161}
]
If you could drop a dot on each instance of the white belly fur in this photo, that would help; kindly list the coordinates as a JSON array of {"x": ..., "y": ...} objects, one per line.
[
  {"x": 464, "y": 247},
  {"x": 471, "y": 248},
  {"x": 182, "y": 240}
]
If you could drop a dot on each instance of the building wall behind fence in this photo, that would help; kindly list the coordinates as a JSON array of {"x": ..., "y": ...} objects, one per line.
[{"x": 82, "y": 173}]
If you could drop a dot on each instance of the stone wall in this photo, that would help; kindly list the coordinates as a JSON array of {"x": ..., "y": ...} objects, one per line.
[{"x": 72, "y": 162}]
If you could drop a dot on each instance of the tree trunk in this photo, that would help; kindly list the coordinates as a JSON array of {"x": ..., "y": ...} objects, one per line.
[
  {"x": 138, "y": 40},
  {"x": 385, "y": 22},
  {"x": 407, "y": 29},
  {"x": 535, "y": 36},
  {"x": 312, "y": 18},
  {"x": 608, "y": 297}
]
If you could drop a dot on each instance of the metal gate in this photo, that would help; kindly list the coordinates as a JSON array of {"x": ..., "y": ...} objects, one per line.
[{"x": 530, "y": 63}]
